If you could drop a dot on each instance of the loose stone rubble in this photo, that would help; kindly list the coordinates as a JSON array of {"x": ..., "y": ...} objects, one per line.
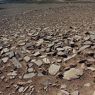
[
  {"x": 73, "y": 73},
  {"x": 53, "y": 69},
  {"x": 46, "y": 60},
  {"x": 75, "y": 93},
  {"x": 27, "y": 58},
  {"x": 28, "y": 75},
  {"x": 37, "y": 58},
  {"x": 37, "y": 62},
  {"x": 5, "y": 59}
]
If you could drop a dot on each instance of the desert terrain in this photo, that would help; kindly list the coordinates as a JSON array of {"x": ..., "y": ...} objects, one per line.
[{"x": 47, "y": 49}]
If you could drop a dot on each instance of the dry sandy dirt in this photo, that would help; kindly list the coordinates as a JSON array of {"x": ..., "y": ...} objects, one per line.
[{"x": 40, "y": 43}]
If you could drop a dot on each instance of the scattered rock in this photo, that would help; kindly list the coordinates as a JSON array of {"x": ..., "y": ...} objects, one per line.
[
  {"x": 92, "y": 37},
  {"x": 59, "y": 60},
  {"x": 69, "y": 57},
  {"x": 87, "y": 84},
  {"x": 26, "y": 88},
  {"x": 36, "y": 54},
  {"x": 53, "y": 69},
  {"x": 73, "y": 73},
  {"x": 1, "y": 47},
  {"x": 91, "y": 59},
  {"x": 46, "y": 55},
  {"x": 64, "y": 86},
  {"x": 46, "y": 60},
  {"x": 30, "y": 64},
  {"x": 60, "y": 53},
  {"x": 87, "y": 43},
  {"x": 2, "y": 77},
  {"x": 60, "y": 49},
  {"x": 5, "y": 59},
  {"x": 5, "y": 50},
  {"x": 83, "y": 48},
  {"x": 39, "y": 42},
  {"x": 14, "y": 73},
  {"x": 72, "y": 44},
  {"x": 16, "y": 63},
  {"x": 27, "y": 58},
  {"x": 63, "y": 92},
  {"x": 28, "y": 75},
  {"x": 30, "y": 70},
  {"x": 21, "y": 44},
  {"x": 91, "y": 68},
  {"x": 38, "y": 62},
  {"x": 21, "y": 89},
  {"x": 40, "y": 74},
  {"x": 75, "y": 93},
  {"x": 29, "y": 34},
  {"x": 11, "y": 54}
]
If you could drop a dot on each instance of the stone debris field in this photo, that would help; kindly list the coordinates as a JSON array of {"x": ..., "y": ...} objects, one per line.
[{"x": 48, "y": 51}]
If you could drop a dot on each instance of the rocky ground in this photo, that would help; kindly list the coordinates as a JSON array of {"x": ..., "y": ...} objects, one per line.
[{"x": 48, "y": 51}]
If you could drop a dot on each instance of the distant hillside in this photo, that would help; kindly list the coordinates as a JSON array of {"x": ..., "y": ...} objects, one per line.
[{"x": 43, "y": 1}]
